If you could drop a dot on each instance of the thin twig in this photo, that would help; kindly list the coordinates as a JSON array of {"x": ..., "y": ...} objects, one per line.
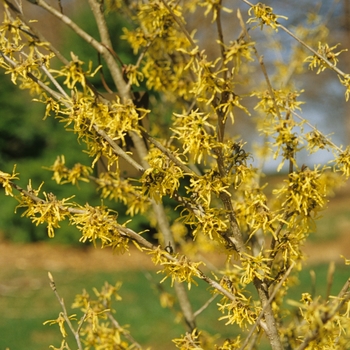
[
  {"x": 54, "y": 81},
  {"x": 330, "y": 277},
  {"x": 139, "y": 60},
  {"x": 126, "y": 334},
  {"x": 65, "y": 314},
  {"x": 324, "y": 59},
  {"x": 102, "y": 49},
  {"x": 275, "y": 235},
  {"x": 118, "y": 150},
  {"x": 221, "y": 37},
  {"x": 254, "y": 338},
  {"x": 331, "y": 143},
  {"x": 205, "y": 305}
]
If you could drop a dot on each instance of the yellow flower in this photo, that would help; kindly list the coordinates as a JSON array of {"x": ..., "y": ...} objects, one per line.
[
  {"x": 6, "y": 180},
  {"x": 60, "y": 321},
  {"x": 264, "y": 16},
  {"x": 325, "y": 52}
]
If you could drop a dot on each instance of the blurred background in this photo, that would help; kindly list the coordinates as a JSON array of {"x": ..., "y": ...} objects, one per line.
[{"x": 25, "y": 140}]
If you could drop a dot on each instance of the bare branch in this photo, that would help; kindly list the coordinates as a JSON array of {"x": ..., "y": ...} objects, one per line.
[
  {"x": 102, "y": 49},
  {"x": 118, "y": 150},
  {"x": 205, "y": 305},
  {"x": 116, "y": 72},
  {"x": 65, "y": 314}
]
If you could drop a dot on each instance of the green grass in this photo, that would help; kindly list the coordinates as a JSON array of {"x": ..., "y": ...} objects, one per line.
[
  {"x": 319, "y": 286},
  {"x": 27, "y": 301},
  {"x": 331, "y": 224},
  {"x": 29, "y": 304}
]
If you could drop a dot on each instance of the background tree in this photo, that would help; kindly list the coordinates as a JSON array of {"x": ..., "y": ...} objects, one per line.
[{"x": 198, "y": 163}]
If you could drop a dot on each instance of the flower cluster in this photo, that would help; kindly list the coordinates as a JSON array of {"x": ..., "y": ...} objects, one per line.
[
  {"x": 178, "y": 269},
  {"x": 305, "y": 193},
  {"x": 264, "y": 15},
  {"x": 62, "y": 174},
  {"x": 326, "y": 52},
  {"x": 97, "y": 327},
  {"x": 196, "y": 134},
  {"x": 49, "y": 211},
  {"x": 6, "y": 180},
  {"x": 162, "y": 178}
]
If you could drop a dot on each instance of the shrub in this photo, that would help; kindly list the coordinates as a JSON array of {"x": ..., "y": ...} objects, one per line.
[{"x": 197, "y": 183}]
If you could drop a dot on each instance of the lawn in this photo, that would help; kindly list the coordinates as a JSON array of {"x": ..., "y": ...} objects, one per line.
[
  {"x": 26, "y": 301},
  {"x": 29, "y": 301}
]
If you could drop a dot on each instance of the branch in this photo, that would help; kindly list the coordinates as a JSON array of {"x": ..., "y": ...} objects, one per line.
[
  {"x": 62, "y": 98},
  {"x": 50, "y": 91},
  {"x": 35, "y": 33},
  {"x": 139, "y": 60},
  {"x": 324, "y": 59},
  {"x": 122, "y": 86},
  {"x": 271, "y": 324},
  {"x": 107, "y": 53},
  {"x": 65, "y": 314},
  {"x": 205, "y": 305},
  {"x": 101, "y": 23},
  {"x": 272, "y": 296},
  {"x": 185, "y": 305},
  {"x": 126, "y": 334},
  {"x": 118, "y": 150},
  {"x": 102, "y": 49},
  {"x": 221, "y": 123},
  {"x": 181, "y": 293},
  {"x": 54, "y": 81},
  {"x": 221, "y": 37},
  {"x": 331, "y": 143},
  {"x": 87, "y": 37}
]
